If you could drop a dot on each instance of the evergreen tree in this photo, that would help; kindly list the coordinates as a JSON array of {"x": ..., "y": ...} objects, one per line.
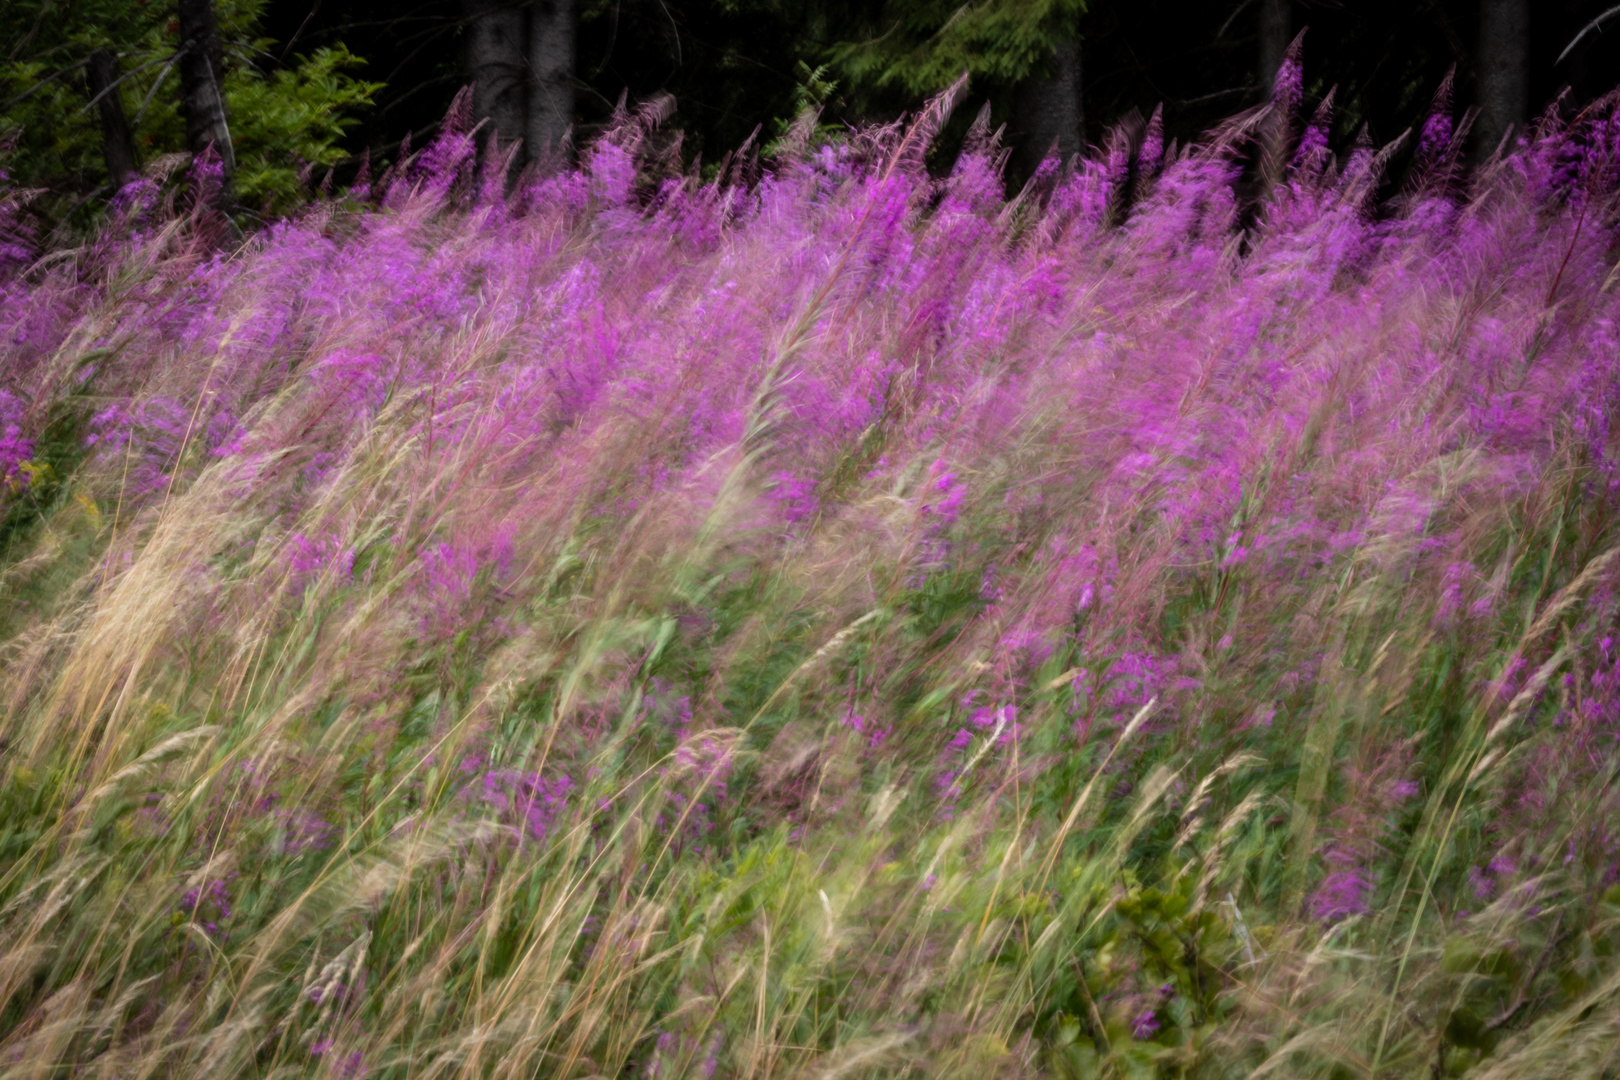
[
  {"x": 551, "y": 75},
  {"x": 495, "y": 37},
  {"x": 118, "y": 142},
  {"x": 1276, "y": 30},
  {"x": 1503, "y": 66},
  {"x": 520, "y": 57},
  {"x": 202, "y": 80}
]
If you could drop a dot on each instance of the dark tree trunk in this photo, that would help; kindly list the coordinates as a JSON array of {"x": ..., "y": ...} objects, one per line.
[
  {"x": 1276, "y": 31},
  {"x": 117, "y": 142},
  {"x": 202, "y": 81},
  {"x": 1504, "y": 53},
  {"x": 1049, "y": 111},
  {"x": 551, "y": 76},
  {"x": 495, "y": 44}
]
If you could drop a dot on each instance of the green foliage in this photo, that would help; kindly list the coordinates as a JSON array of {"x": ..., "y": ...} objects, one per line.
[
  {"x": 43, "y": 89},
  {"x": 284, "y": 120},
  {"x": 921, "y": 46},
  {"x": 812, "y": 94},
  {"x": 295, "y": 115}
]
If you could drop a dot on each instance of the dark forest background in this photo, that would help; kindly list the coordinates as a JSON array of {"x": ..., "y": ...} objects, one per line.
[
  {"x": 309, "y": 86},
  {"x": 734, "y": 64}
]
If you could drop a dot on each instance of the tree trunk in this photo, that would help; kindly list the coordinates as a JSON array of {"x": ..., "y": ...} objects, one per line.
[
  {"x": 202, "y": 79},
  {"x": 117, "y": 143},
  {"x": 1276, "y": 31},
  {"x": 495, "y": 42},
  {"x": 1504, "y": 53},
  {"x": 1577, "y": 67},
  {"x": 551, "y": 76},
  {"x": 1049, "y": 111}
]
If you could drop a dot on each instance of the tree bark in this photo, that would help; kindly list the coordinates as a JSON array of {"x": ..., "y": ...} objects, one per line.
[
  {"x": 1050, "y": 110},
  {"x": 495, "y": 41},
  {"x": 1276, "y": 31},
  {"x": 551, "y": 76},
  {"x": 202, "y": 81},
  {"x": 117, "y": 142},
  {"x": 1504, "y": 62}
]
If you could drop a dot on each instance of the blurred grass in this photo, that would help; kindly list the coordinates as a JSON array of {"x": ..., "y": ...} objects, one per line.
[{"x": 548, "y": 764}]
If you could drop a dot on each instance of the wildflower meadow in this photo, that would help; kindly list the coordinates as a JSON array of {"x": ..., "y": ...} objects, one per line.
[{"x": 822, "y": 617}]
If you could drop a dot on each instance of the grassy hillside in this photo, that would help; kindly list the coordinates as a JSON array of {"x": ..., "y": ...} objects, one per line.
[{"x": 824, "y": 623}]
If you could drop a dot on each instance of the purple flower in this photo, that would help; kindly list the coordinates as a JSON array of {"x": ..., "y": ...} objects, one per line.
[
  {"x": 357, "y": 379},
  {"x": 1145, "y": 1025},
  {"x": 946, "y": 505},
  {"x": 711, "y": 1060},
  {"x": 525, "y": 798},
  {"x": 1340, "y": 895},
  {"x": 309, "y": 558},
  {"x": 15, "y": 449}
]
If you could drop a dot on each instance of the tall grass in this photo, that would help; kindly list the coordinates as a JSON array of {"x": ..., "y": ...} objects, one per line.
[{"x": 825, "y": 622}]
